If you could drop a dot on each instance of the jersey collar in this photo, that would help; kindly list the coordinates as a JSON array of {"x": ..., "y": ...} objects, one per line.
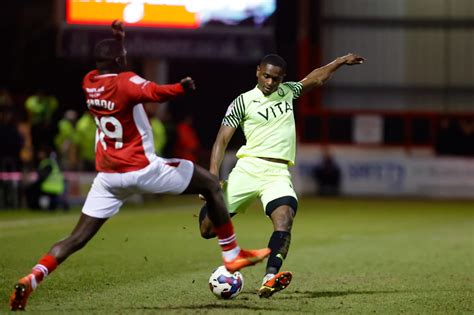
[
  {"x": 260, "y": 93},
  {"x": 106, "y": 75}
]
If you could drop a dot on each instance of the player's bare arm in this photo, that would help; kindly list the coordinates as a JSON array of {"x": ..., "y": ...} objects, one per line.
[
  {"x": 218, "y": 149},
  {"x": 319, "y": 76}
]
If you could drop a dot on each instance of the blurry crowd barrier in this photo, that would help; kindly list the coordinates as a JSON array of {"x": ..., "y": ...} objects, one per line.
[
  {"x": 382, "y": 153},
  {"x": 378, "y": 172},
  {"x": 354, "y": 171},
  {"x": 390, "y": 172},
  {"x": 14, "y": 185},
  {"x": 446, "y": 133}
]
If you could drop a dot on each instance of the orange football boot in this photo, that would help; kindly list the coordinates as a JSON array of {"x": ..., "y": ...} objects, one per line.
[
  {"x": 246, "y": 258},
  {"x": 276, "y": 283},
  {"x": 20, "y": 296}
]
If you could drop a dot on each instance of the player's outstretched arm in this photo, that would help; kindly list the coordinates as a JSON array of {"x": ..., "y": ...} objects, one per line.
[
  {"x": 143, "y": 91},
  {"x": 218, "y": 149},
  {"x": 318, "y": 76}
]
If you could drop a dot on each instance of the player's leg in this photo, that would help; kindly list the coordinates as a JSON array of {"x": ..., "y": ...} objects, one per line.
[
  {"x": 282, "y": 218},
  {"x": 281, "y": 211},
  {"x": 83, "y": 232},
  {"x": 85, "y": 229},
  {"x": 205, "y": 224},
  {"x": 239, "y": 191},
  {"x": 100, "y": 205},
  {"x": 280, "y": 203},
  {"x": 204, "y": 183},
  {"x": 206, "y": 228}
]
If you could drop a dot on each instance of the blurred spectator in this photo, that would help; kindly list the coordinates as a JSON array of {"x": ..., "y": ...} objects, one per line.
[
  {"x": 327, "y": 175},
  {"x": 41, "y": 108},
  {"x": 12, "y": 141},
  {"x": 445, "y": 137},
  {"x": 466, "y": 142},
  {"x": 66, "y": 139},
  {"x": 9, "y": 158},
  {"x": 455, "y": 137},
  {"x": 6, "y": 99},
  {"x": 85, "y": 135},
  {"x": 16, "y": 130},
  {"x": 159, "y": 130},
  {"x": 187, "y": 141},
  {"x": 170, "y": 129},
  {"x": 16, "y": 150},
  {"x": 47, "y": 191},
  {"x": 26, "y": 153}
]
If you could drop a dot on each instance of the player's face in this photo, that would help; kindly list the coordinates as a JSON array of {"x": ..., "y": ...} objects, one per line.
[{"x": 269, "y": 78}]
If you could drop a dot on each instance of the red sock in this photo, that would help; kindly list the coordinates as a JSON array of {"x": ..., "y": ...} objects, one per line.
[
  {"x": 44, "y": 267},
  {"x": 225, "y": 234}
]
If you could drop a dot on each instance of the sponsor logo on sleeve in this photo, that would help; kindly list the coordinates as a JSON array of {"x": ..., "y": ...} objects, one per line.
[{"x": 137, "y": 80}]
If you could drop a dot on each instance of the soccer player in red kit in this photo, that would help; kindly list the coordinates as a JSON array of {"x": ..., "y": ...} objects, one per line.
[{"x": 126, "y": 164}]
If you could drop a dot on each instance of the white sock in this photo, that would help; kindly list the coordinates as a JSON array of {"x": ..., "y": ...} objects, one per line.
[
  {"x": 33, "y": 282},
  {"x": 267, "y": 277},
  {"x": 231, "y": 254}
]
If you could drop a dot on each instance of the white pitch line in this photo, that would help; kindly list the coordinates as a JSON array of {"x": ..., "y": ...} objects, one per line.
[
  {"x": 34, "y": 221},
  {"x": 57, "y": 219}
]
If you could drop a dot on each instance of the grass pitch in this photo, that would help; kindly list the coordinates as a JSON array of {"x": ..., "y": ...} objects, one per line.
[{"x": 347, "y": 256}]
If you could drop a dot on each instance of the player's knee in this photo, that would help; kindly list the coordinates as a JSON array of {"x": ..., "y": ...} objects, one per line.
[
  {"x": 212, "y": 188},
  {"x": 215, "y": 185},
  {"x": 287, "y": 223},
  {"x": 283, "y": 223},
  {"x": 282, "y": 218},
  {"x": 205, "y": 225},
  {"x": 206, "y": 232}
]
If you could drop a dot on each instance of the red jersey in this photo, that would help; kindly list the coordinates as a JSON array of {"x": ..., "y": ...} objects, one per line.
[{"x": 124, "y": 139}]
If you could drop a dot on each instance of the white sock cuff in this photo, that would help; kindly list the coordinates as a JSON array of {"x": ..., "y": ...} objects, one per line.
[{"x": 41, "y": 268}]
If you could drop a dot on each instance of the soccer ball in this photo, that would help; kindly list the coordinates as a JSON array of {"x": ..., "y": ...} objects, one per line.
[{"x": 226, "y": 285}]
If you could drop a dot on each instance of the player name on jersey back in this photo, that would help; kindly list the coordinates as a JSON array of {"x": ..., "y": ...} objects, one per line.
[{"x": 109, "y": 105}]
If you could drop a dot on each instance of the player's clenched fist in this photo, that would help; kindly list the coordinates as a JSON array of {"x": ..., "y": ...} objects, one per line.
[
  {"x": 352, "y": 59},
  {"x": 188, "y": 84},
  {"x": 117, "y": 30}
]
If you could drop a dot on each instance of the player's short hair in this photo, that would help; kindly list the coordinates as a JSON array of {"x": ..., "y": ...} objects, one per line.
[
  {"x": 107, "y": 50},
  {"x": 274, "y": 60}
]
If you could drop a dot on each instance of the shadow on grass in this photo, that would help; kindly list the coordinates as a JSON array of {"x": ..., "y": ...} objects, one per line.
[
  {"x": 329, "y": 294},
  {"x": 242, "y": 303},
  {"x": 223, "y": 307}
]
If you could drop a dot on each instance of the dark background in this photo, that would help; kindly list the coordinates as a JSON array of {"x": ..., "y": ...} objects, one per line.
[
  {"x": 30, "y": 61},
  {"x": 413, "y": 111}
]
